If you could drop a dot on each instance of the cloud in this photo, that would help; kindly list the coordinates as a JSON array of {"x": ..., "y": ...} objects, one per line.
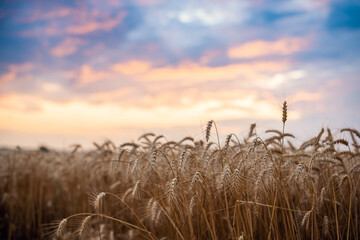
[
  {"x": 13, "y": 71},
  {"x": 191, "y": 73},
  {"x": 88, "y": 75},
  {"x": 67, "y": 47},
  {"x": 60, "y": 12},
  {"x": 131, "y": 67},
  {"x": 260, "y": 48},
  {"x": 147, "y": 2},
  {"x": 7, "y": 77},
  {"x": 51, "y": 87},
  {"x": 89, "y": 27},
  {"x": 74, "y": 25},
  {"x": 185, "y": 74},
  {"x": 13, "y": 102}
]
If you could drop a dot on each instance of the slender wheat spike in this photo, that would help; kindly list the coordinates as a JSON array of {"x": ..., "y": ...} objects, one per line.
[
  {"x": 325, "y": 226},
  {"x": 252, "y": 128},
  {"x": 317, "y": 140},
  {"x": 305, "y": 219},
  {"x": 61, "y": 229},
  {"x": 329, "y": 136},
  {"x": 130, "y": 144},
  {"x": 224, "y": 178},
  {"x": 119, "y": 158},
  {"x": 237, "y": 180},
  {"x": 186, "y": 139},
  {"x": 83, "y": 226},
  {"x": 98, "y": 201},
  {"x": 157, "y": 138},
  {"x": 284, "y": 112},
  {"x": 153, "y": 158},
  {"x": 172, "y": 189},
  {"x": 158, "y": 218},
  {"x": 299, "y": 170},
  {"x": 154, "y": 210},
  {"x": 183, "y": 156},
  {"x": 135, "y": 190},
  {"x": 321, "y": 199},
  {"x": 227, "y": 143},
  {"x": 208, "y": 130},
  {"x": 127, "y": 193},
  {"x": 195, "y": 179},
  {"x": 191, "y": 206},
  {"x": 135, "y": 164},
  {"x": 341, "y": 141},
  {"x": 146, "y": 135},
  {"x": 258, "y": 182}
]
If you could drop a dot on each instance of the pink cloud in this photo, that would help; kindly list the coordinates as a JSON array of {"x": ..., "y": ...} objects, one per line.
[
  {"x": 88, "y": 27},
  {"x": 58, "y": 13},
  {"x": 88, "y": 75},
  {"x": 259, "y": 48},
  {"x": 131, "y": 67},
  {"x": 7, "y": 77},
  {"x": 67, "y": 47},
  {"x": 78, "y": 26},
  {"x": 13, "y": 71}
]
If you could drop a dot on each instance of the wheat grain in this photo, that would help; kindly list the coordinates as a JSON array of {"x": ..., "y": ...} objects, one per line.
[
  {"x": 83, "y": 226},
  {"x": 251, "y": 131},
  {"x": 305, "y": 219},
  {"x": 208, "y": 130},
  {"x": 98, "y": 201},
  {"x": 191, "y": 206},
  {"x": 61, "y": 228},
  {"x": 135, "y": 189},
  {"x": 284, "y": 112},
  {"x": 326, "y": 226}
]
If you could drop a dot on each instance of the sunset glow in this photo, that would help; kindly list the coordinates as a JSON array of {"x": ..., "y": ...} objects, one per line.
[{"x": 117, "y": 69}]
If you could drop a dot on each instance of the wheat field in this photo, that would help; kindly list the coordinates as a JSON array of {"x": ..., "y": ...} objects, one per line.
[{"x": 153, "y": 188}]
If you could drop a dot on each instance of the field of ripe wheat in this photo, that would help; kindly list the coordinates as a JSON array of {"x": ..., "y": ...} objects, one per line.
[{"x": 153, "y": 188}]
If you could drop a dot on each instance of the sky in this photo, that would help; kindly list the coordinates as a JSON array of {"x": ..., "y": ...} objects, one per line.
[{"x": 83, "y": 71}]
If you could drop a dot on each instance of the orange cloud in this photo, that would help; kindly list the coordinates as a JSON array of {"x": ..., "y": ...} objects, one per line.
[
  {"x": 67, "y": 47},
  {"x": 88, "y": 75},
  {"x": 194, "y": 73},
  {"x": 114, "y": 95},
  {"x": 16, "y": 102},
  {"x": 260, "y": 48},
  {"x": 7, "y": 77},
  {"x": 185, "y": 74},
  {"x": 93, "y": 26},
  {"x": 131, "y": 67}
]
